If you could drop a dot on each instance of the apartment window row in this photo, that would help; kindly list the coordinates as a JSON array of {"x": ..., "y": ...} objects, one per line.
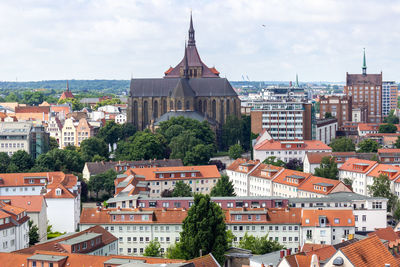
[{"x": 12, "y": 145}]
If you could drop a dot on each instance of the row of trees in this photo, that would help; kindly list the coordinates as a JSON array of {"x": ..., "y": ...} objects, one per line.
[
  {"x": 344, "y": 144},
  {"x": 204, "y": 230}
]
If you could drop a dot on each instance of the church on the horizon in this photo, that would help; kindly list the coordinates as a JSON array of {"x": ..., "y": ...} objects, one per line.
[{"x": 190, "y": 89}]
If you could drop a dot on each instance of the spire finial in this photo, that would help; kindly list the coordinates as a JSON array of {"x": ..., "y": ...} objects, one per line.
[
  {"x": 185, "y": 64},
  {"x": 364, "y": 67},
  {"x": 192, "y": 41},
  {"x": 67, "y": 86}
]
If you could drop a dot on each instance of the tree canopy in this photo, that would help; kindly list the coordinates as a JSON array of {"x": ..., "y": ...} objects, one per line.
[
  {"x": 236, "y": 130},
  {"x": 204, "y": 229},
  {"x": 92, "y": 147},
  {"x": 391, "y": 118},
  {"x": 387, "y": 128},
  {"x": 328, "y": 115},
  {"x": 235, "y": 151},
  {"x": 342, "y": 144},
  {"x": 327, "y": 168},
  {"x": 294, "y": 164},
  {"x": 106, "y": 102},
  {"x": 20, "y": 161},
  {"x": 259, "y": 245},
  {"x": 153, "y": 249},
  {"x": 397, "y": 143},
  {"x": 4, "y": 162},
  {"x": 381, "y": 188},
  {"x": 368, "y": 145},
  {"x": 103, "y": 181},
  {"x": 223, "y": 188},
  {"x": 272, "y": 160},
  {"x": 182, "y": 190},
  {"x": 64, "y": 160},
  {"x": 33, "y": 233}
]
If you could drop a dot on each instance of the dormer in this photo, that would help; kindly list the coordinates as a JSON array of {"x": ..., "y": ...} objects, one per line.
[
  {"x": 294, "y": 179},
  {"x": 360, "y": 166},
  {"x": 58, "y": 191},
  {"x": 1, "y": 181},
  {"x": 268, "y": 172},
  {"x": 322, "y": 221},
  {"x": 323, "y": 187},
  {"x": 389, "y": 173},
  {"x": 245, "y": 167},
  {"x": 293, "y": 145}
]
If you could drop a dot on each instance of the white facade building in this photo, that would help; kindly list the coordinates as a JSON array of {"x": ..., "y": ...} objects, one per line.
[{"x": 14, "y": 228}]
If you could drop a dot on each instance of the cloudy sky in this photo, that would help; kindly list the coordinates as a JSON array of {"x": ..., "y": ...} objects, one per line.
[{"x": 117, "y": 39}]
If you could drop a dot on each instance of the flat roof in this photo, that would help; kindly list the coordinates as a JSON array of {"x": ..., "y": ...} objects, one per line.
[
  {"x": 324, "y": 184},
  {"x": 339, "y": 197},
  {"x": 296, "y": 176},
  {"x": 81, "y": 238},
  {"x": 43, "y": 257},
  {"x": 122, "y": 261}
]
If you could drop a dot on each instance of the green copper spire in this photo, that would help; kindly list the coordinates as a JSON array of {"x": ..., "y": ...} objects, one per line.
[{"x": 364, "y": 67}]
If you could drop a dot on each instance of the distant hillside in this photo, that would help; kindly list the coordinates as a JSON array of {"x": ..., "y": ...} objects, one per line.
[{"x": 115, "y": 86}]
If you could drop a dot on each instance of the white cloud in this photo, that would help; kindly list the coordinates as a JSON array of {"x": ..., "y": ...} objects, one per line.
[{"x": 96, "y": 39}]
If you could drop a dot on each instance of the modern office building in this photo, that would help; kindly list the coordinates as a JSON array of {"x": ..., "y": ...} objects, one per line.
[
  {"x": 340, "y": 107},
  {"x": 389, "y": 96}
]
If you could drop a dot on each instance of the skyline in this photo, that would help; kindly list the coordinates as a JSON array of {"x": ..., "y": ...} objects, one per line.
[{"x": 266, "y": 41}]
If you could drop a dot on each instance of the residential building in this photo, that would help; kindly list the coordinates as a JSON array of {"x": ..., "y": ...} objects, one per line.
[
  {"x": 32, "y": 113},
  {"x": 68, "y": 133},
  {"x": 83, "y": 131},
  {"x": 93, "y": 168},
  {"x": 390, "y": 156},
  {"x": 367, "y": 252},
  {"x": 25, "y": 136},
  {"x": 360, "y": 113},
  {"x": 61, "y": 191},
  {"x": 279, "y": 93},
  {"x": 186, "y": 202},
  {"x": 326, "y": 226},
  {"x": 369, "y": 212},
  {"x": 60, "y": 259},
  {"x": 92, "y": 241},
  {"x": 13, "y": 227},
  {"x": 36, "y": 209},
  {"x": 283, "y": 120},
  {"x": 371, "y": 128},
  {"x": 390, "y": 238},
  {"x": 201, "y": 179},
  {"x": 386, "y": 140},
  {"x": 54, "y": 127},
  {"x": 288, "y": 150},
  {"x": 75, "y": 131},
  {"x": 366, "y": 89},
  {"x": 389, "y": 96},
  {"x": 339, "y": 106},
  {"x": 326, "y": 130},
  {"x": 120, "y": 118},
  {"x": 312, "y": 160}
]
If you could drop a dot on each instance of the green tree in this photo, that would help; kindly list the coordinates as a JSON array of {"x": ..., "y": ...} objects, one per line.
[
  {"x": 368, "y": 146},
  {"x": 327, "y": 168},
  {"x": 33, "y": 233},
  {"x": 53, "y": 143},
  {"x": 33, "y": 98},
  {"x": 182, "y": 190},
  {"x": 259, "y": 245},
  {"x": 4, "y": 162},
  {"x": 143, "y": 145},
  {"x": 328, "y": 115},
  {"x": 235, "y": 151},
  {"x": 396, "y": 213},
  {"x": 76, "y": 105},
  {"x": 127, "y": 130},
  {"x": 153, "y": 249},
  {"x": 60, "y": 160},
  {"x": 348, "y": 181},
  {"x": 175, "y": 251},
  {"x": 11, "y": 97},
  {"x": 397, "y": 143},
  {"x": 342, "y": 144},
  {"x": 199, "y": 155},
  {"x": 391, "y": 118},
  {"x": 381, "y": 188},
  {"x": 272, "y": 160},
  {"x": 223, "y": 188},
  {"x": 294, "y": 164},
  {"x": 103, "y": 181},
  {"x": 106, "y": 102},
  {"x": 236, "y": 130},
  {"x": 110, "y": 133},
  {"x": 21, "y": 161},
  {"x": 204, "y": 229},
  {"x": 93, "y": 146},
  {"x": 387, "y": 128}
]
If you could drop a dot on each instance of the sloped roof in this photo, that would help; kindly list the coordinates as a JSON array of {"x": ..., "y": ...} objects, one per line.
[
  {"x": 369, "y": 252},
  {"x": 266, "y": 167},
  {"x": 383, "y": 169},
  {"x": 348, "y": 165},
  {"x": 30, "y": 203},
  {"x": 386, "y": 234},
  {"x": 281, "y": 178},
  {"x": 32, "y": 109},
  {"x": 308, "y": 185},
  {"x": 235, "y": 165},
  {"x": 345, "y": 217},
  {"x": 277, "y": 145},
  {"x": 323, "y": 253}
]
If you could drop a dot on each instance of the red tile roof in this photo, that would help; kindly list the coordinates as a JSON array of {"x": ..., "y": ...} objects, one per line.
[
  {"x": 369, "y": 252},
  {"x": 310, "y": 218},
  {"x": 372, "y": 126},
  {"x": 30, "y": 203},
  {"x": 311, "y": 246},
  {"x": 385, "y": 233},
  {"x": 274, "y": 216},
  {"x": 283, "y": 177},
  {"x": 235, "y": 165},
  {"x": 206, "y": 171},
  {"x": 390, "y": 171},
  {"x": 323, "y": 253},
  {"x": 32, "y": 109},
  {"x": 207, "y": 260},
  {"x": 316, "y": 157},
  {"x": 348, "y": 165},
  {"x": 277, "y": 145},
  {"x": 388, "y": 150},
  {"x": 266, "y": 171},
  {"x": 311, "y": 182}
]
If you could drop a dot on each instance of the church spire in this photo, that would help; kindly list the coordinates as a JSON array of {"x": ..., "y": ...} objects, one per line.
[
  {"x": 67, "y": 86},
  {"x": 185, "y": 65},
  {"x": 364, "y": 67},
  {"x": 192, "y": 41}
]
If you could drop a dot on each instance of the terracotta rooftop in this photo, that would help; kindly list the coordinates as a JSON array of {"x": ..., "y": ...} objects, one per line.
[
  {"x": 32, "y": 109},
  {"x": 277, "y": 145},
  {"x": 392, "y": 172},
  {"x": 349, "y": 165},
  {"x": 316, "y": 157},
  {"x": 30, "y": 203},
  {"x": 271, "y": 171},
  {"x": 323, "y": 253},
  {"x": 329, "y": 184},
  {"x": 334, "y": 218},
  {"x": 235, "y": 165},
  {"x": 388, "y": 150},
  {"x": 283, "y": 177},
  {"x": 386, "y": 234},
  {"x": 372, "y": 126},
  {"x": 369, "y": 252}
]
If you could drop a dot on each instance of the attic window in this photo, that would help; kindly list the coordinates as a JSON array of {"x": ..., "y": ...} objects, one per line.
[
  {"x": 337, "y": 220},
  {"x": 307, "y": 221},
  {"x": 58, "y": 192},
  {"x": 349, "y": 220}
]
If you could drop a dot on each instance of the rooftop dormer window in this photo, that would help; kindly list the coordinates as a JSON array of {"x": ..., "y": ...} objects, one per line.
[{"x": 58, "y": 192}]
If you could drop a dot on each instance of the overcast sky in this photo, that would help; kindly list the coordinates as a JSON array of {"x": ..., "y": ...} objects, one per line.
[{"x": 116, "y": 39}]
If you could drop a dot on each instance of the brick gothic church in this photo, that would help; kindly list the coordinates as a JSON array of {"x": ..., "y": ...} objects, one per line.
[{"x": 191, "y": 89}]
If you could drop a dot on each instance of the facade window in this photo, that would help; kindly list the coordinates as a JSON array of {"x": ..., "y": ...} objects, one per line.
[{"x": 364, "y": 218}]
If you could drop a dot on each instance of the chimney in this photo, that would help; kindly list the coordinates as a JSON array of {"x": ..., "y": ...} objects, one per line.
[
  {"x": 282, "y": 254},
  {"x": 201, "y": 254}
]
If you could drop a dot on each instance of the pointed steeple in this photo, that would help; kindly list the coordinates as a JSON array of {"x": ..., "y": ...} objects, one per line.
[
  {"x": 67, "y": 86},
  {"x": 192, "y": 41},
  {"x": 364, "y": 67},
  {"x": 297, "y": 81},
  {"x": 185, "y": 64}
]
